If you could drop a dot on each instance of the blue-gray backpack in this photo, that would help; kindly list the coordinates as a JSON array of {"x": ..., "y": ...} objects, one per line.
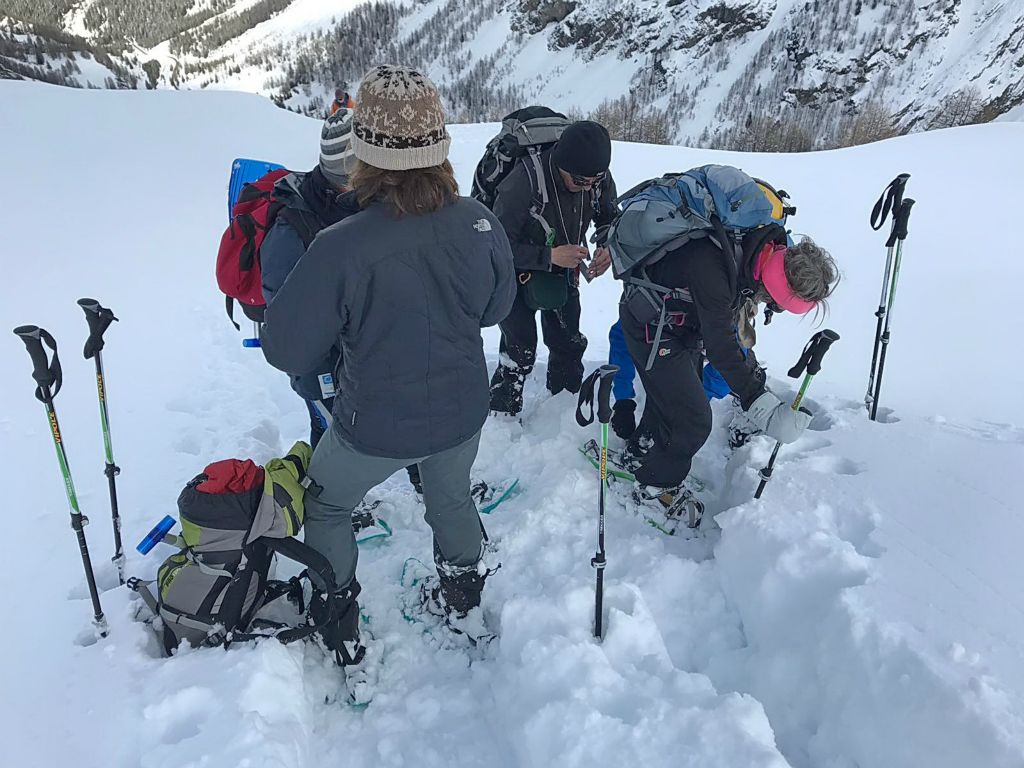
[{"x": 660, "y": 215}]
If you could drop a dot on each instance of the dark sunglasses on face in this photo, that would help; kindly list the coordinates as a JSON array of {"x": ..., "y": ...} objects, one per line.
[{"x": 587, "y": 181}]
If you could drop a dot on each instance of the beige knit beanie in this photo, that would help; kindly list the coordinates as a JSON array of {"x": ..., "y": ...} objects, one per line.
[{"x": 398, "y": 123}]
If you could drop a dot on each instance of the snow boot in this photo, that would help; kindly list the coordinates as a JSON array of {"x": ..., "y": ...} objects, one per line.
[
  {"x": 567, "y": 375},
  {"x": 507, "y": 391},
  {"x": 666, "y": 508},
  {"x": 624, "y": 418},
  {"x": 339, "y": 630},
  {"x": 453, "y": 596},
  {"x": 414, "y": 477}
]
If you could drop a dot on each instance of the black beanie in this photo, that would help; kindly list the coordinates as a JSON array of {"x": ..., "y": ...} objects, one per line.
[{"x": 583, "y": 149}]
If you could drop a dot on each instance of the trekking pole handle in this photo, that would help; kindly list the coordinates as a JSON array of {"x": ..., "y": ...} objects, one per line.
[
  {"x": 45, "y": 372},
  {"x": 891, "y": 200},
  {"x": 902, "y": 219},
  {"x": 814, "y": 352},
  {"x": 606, "y": 376},
  {"x": 99, "y": 319}
]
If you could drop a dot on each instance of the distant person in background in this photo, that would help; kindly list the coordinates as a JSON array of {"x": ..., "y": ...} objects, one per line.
[{"x": 341, "y": 101}]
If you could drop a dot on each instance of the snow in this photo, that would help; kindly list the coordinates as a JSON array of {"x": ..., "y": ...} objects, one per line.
[{"x": 865, "y": 612}]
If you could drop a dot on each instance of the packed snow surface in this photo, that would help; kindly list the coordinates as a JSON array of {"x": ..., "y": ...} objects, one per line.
[{"x": 865, "y": 613}]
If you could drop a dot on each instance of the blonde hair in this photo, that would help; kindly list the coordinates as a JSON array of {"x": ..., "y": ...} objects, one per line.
[{"x": 811, "y": 271}]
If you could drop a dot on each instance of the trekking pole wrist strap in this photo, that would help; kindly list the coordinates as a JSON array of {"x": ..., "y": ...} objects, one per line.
[{"x": 602, "y": 380}]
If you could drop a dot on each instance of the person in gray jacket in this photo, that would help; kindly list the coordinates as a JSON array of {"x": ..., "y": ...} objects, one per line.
[
  {"x": 310, "y": 202},
  {"x": 403, "y": 288}
]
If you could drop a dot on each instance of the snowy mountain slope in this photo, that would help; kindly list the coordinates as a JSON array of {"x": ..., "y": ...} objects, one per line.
[
  {"x": 710, "y": 63},
  {"x": 863, "y": 613}
]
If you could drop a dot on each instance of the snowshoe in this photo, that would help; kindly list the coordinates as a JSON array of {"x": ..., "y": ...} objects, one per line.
[
  {"x": 621, "y": 465},
  {"x": 616, "y": 470},
  {"x": 367, "y": 525},
  {"x": 448, "y": 602},
  {"x": 489, "y": 496},
  {"x": 668, "y": 508}
]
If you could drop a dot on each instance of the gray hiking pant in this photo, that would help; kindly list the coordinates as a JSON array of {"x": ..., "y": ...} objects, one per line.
[{"x": 345, "y": 476}]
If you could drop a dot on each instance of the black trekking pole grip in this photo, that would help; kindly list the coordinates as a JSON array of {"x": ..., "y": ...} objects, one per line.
[
  {"x": 45, "y": 372},
  {"x": 814, "y": 353},
  {"x": 902, "y": 219},
  {"x": 606, "y": 376},
  {"x": 809, "y": 364},
  {"x": 99, "y": 319}
]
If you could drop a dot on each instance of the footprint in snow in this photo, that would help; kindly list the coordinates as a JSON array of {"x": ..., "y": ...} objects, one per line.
[
  {"x": 181, "y": 715},
  {"x": 834, "y": 465}
]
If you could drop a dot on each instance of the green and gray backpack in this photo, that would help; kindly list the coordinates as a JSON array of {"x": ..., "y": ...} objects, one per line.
[{"x": 234, "y": 516}]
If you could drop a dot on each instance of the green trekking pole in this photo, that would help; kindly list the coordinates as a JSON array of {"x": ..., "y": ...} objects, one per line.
[
  {"x": 99, "y": 319},
  {"x": 603, "y": 377},
  {"x": 810, "y": 360},
  {"x": 47, "y": 375}
]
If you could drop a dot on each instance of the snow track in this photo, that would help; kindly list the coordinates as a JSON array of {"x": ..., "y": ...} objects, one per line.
[{"x": 863, "y": 614}]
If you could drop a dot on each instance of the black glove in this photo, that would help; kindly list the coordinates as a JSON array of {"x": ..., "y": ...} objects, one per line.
[{"x": 624, "y": 418}]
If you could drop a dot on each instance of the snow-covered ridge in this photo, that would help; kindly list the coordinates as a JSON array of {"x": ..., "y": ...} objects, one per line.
[
  {"x": 864, "y": 613},
  {"x": 709, "y": 63}
]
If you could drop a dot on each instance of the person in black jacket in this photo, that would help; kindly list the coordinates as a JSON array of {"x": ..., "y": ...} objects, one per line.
[
  {"x": 677, "y": 417},
  {"x": 550, "y": 251},
  {"x": 312, "y": 201},
  {"x": 403, "y": 288}
]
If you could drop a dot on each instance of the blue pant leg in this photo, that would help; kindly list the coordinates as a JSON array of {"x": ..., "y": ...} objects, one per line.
[{"x": 618, "y": 354}]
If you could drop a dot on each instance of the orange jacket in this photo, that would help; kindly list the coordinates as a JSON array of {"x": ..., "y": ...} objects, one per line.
[{"x": 347, "y": 103}]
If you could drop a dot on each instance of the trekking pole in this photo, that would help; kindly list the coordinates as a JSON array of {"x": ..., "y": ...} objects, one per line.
[
  {"x": 99, "y": 319},
  {"x": 891, "y": 200},
  {"x": 603, "y": 377},
  {"x": 810, "y": 360},
  {"x": 47, "y": 374},
  {"x": 900, "y": 232}
]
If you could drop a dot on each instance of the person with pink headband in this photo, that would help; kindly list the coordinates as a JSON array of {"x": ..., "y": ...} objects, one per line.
[{"x": 715, "y": 322}]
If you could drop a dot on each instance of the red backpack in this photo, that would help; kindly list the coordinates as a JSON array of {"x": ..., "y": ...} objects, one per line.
[{"x": 238, "y": 259}]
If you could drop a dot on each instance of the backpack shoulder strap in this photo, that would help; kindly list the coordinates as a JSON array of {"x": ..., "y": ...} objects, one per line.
[
  {"x": 305, "y": 223},
  {"x": 535, "y": 172}
]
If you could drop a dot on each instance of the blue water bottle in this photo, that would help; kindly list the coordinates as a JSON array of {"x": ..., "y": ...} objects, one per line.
[
  {"x": 254, "y": 342},
  {"x": 155, "y": 536}
]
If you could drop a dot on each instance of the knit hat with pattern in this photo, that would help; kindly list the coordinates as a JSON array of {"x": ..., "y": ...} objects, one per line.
[
  {"x": 398, "y": 122},
  {"x": 336, "y": 158}
]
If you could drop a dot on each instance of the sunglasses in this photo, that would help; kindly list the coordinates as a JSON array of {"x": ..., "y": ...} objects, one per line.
[{"x": 587, "y": 181}]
